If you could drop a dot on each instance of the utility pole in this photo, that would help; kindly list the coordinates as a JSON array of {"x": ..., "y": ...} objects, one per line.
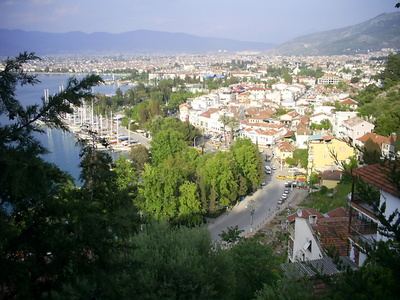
[{"x": 252, "y": 210}]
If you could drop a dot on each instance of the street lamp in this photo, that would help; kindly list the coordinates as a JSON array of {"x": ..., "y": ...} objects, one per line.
[
  {"x": 251, "y": 214},
  {"x": 194, "y": 141}
]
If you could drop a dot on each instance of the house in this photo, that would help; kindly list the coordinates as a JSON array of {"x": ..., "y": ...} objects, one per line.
[
  {"x": 349, "y": 103},
  {"x": 265, "y": 137},
  {"x": 317, "y": 118},
  {"x": 330, "y": 179},
  {"x": 302, "y": 135},
  {"x": 287, "y": 118},
  {"x": 321, "y": 154},
  {"x": 209, "y": 121},
  {"x": 283, "y": 151},
  {"x": 386, "y": 144},
  {"x": 355, "y": 127},
  {"x": 312, "y": 234},
  {"x": 364, "y": 224}
]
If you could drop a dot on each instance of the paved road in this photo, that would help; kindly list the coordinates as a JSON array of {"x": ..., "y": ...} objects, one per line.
[{"x": 264, "y": 202}]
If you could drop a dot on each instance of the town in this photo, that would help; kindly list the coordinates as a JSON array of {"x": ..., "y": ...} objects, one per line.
[{"x": 309, "y": 124}]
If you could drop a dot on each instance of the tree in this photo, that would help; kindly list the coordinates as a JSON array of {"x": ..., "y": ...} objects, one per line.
[
  {"x": 391, "y": 74},
  {"x": 178, "y": 263},
  {"x": 189, "y": 204},
  {"x": 290, "y": 161},
  {"x": 371, "y": 153},
  {"x": 224, "y": 119},
  {"x": 254, "y": 266},
  {"x": 51, "y": 232},
  {"x": 232, "y": 122},
  {"x": 232, "y": 235},
  {"x": 301, "y": 155},
  {"x": 139, "y": 155},
  {"x": 397, "y": 144},
  {"x": 248, "y": 163},
  {"x": 166, "y": 143}
]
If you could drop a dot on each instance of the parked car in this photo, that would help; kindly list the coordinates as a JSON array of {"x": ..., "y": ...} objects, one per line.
[
  {"x": 290, "y": 184},
  {"x": 273, "y": 167},
  {"x": 267, "y": 169},
  {"x": 284, "y": 196}
]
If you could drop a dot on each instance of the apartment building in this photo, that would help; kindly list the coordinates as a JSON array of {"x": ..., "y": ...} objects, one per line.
[
  {"x": 324, "y": 155},
  {"x": 355, "y": 127}
]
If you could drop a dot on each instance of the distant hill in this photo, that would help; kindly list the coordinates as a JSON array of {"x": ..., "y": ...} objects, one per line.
[
  {"x": 139, "y": 41},
  {"x": 380, "y": 32}
]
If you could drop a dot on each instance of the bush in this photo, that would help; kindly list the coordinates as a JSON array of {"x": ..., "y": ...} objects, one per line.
[{"x": 323, "y": 190}]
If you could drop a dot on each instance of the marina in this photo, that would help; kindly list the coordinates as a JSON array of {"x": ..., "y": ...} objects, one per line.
[{"x": 63, "y": 148}]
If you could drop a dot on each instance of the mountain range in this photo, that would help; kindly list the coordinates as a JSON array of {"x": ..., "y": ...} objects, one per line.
[{"x": 380, "y": 32}]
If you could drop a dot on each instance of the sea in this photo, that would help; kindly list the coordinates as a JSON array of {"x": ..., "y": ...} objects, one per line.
[{"x": 64, "y": 151}]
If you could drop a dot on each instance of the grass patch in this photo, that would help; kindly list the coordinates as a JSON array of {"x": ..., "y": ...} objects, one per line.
[{"x": 328, "y": 201}]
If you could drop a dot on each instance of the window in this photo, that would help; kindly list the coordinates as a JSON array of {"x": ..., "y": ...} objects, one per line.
[
  {"x": 307, "y": 246},
  {"x": 325, "y": 156},
  {"x": 342, "y": 149}
]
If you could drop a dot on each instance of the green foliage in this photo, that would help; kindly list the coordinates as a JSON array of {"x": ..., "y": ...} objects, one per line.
[
  {"x": 232, "y": 235},
  {"x": 397, "y": 144},
  {"x": 372, "y": 152},
  {"x": 391, "y": 73},
  {"x": 325, "y": 124},
  {"x": 254, "y": 266},
  {"x": 285, "y": 288},
  {"x": 219, "y": 175},
  {"x": 290, "y": 161},
  {"x": 166, "y": 143},
  {"x": 248, "y": 163},
  {"x": 323, "y": 190},
  {"x": 347, "y": 167},
  {"x": 323, "y": 203},
  {"x": 314, "y": 178},
  {"x": 382, "y": 106},
  {"x": 139, "y": 156},
  {"x": 160, "y": 124},
  {"x": 178, "y": 263},
  {"x": 52, "y": 233},
  {"x": 301, "y": 155}
]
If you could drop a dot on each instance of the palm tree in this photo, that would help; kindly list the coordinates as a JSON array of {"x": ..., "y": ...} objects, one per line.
[
  {"x": 232, "y": 123},
  {"x": 224, "y": 119}
]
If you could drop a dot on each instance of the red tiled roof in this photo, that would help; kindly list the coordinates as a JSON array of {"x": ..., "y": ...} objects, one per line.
[
  {"x": 284, "y": 146},
  {"x": 333, "y": 232},
  {"x": 332, "y": 175},
  {"x": 338, "y": 212},
  {"x": 305, "y": 213},
  {"x": 379, "y": 139},
  {"x": 373, "y": 175}
]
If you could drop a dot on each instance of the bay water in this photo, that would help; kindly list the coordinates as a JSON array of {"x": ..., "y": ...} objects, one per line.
[{"x": 64, "y": 152}]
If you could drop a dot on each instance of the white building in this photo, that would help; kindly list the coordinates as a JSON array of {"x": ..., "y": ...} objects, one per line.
[{"x": 364, "y": 222}]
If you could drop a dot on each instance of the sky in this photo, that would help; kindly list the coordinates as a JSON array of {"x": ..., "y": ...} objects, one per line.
[{"x": 271, "y": 21}]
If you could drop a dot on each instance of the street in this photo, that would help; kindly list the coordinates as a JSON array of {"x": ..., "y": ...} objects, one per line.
[{"x": 256, "y": 210}]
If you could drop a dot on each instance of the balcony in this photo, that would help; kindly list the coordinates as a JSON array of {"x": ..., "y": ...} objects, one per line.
[
  {"x": 362, "y": 206},
  {"x": 363, "y": 229},
  {"x": 290, "y": 229}
]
